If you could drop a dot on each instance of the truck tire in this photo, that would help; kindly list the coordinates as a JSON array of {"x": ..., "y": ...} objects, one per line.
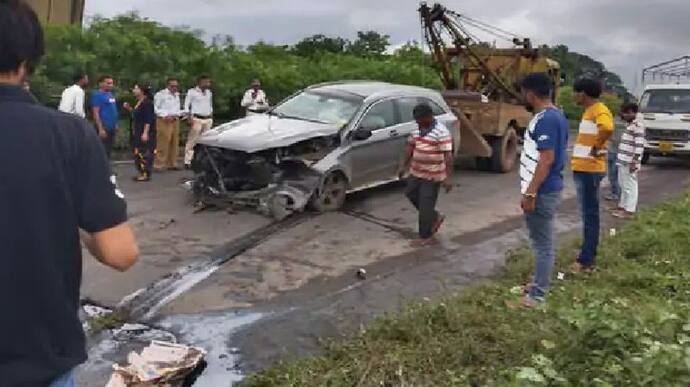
[{"x": 504, "y": 151}]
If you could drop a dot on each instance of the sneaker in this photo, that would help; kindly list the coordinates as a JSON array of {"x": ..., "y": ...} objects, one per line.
[
  {"x": 530, "y": 302},
  {"x": 622, "y": 214}
]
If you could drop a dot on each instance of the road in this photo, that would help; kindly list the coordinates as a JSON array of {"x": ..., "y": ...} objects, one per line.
[{"x": 251, "y": 303}]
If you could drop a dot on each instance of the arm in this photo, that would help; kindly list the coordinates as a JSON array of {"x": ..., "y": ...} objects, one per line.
[
  {"x": 96, "y": 112},
  {"x": 639, "y": 147},
  {"x": 158, "y": 106},
  {"x": 450, "y": 161},
  {"x": 406, "y": 158},
  {"x": 187, "y": 108},
  {"x": 247, "y": 99},
  {"x": 79, "y": 104},
  {"x": 114, "y": 247},
  {"x": 605, "y": 124}
]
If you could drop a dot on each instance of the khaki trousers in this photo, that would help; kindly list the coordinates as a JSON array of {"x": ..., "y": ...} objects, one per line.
[
  {"x": 168, "y": 145},
  {"x": 199, "y": 126}
]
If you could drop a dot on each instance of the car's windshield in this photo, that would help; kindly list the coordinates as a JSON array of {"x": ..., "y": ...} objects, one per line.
[
  {"x": 322, "y": 107},
  {"x": 672, "y": 101}
]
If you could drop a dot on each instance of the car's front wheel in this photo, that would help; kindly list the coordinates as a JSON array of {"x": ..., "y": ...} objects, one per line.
[{"x": 331, "y": 196}]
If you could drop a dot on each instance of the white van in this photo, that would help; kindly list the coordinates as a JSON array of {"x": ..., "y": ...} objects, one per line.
[{"x": 666, "y": 112}]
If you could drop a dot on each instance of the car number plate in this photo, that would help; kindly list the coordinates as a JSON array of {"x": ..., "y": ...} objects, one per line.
[{"x": 665, "y": 146}]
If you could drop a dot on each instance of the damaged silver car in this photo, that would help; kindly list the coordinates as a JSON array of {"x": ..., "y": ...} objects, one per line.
[{"x": 313, "y": 148}]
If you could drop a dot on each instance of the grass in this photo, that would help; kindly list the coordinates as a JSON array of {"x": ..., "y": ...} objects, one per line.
[{"x": 628, "y": 324}]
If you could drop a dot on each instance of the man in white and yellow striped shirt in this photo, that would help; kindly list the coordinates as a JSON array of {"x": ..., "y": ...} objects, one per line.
[
  {"x": 589, "y": 165},
  {"x": 630, "y": 150}
]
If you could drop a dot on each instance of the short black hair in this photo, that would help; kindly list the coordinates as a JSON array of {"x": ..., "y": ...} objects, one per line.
[
  {"x": 104, "y": 77},
  {"x": 146, "y": 89},
  {"x": 202, "y": 77},
  {"x": 78, "y": 76},
  {"x": 21, "y": 36},
  {"x": 589, "y": 86},
  {"x": 538, "y": 83},
  {"x": 630, "y": 107},
  {"x": 422, "y": 110},
  {"x": 170, "y": 79}
]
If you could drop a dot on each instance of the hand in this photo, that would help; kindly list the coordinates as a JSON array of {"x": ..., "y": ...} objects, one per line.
[
  {"x": 190, "y": 120},
  {"x": 447, "y": 185},
  {"x": 127, "y": 106},
  {"x": 528, "y": 203},
  {"x": 634, "y": 167},
  {"x": 595, "y": 152},
  {"x": 145, "y": 137},
  {"x": 401, "y": 172},
  {"x": 102, "y": 133}
]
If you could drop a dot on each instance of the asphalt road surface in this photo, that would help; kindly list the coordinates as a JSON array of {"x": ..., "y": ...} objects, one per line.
[{"x": 251, "y": 292}]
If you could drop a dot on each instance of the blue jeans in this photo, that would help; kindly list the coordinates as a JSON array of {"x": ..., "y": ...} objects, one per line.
[
  {"x": 612, "y": 161},
  {"x": 587, "y": 184},
  {"x": 540, "y": 224},
  {"x": 66, "y": 380}
]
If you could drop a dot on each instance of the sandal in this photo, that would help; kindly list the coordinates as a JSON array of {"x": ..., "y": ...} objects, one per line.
[
  {"x": 424, "y": 242},
  {"x": 578, "y": 268},
  {"x": 141, "y": 178},
  {"x": 437, "y": 225}
]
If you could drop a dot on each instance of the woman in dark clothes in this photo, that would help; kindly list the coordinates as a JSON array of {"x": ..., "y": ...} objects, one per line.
[{"x": 144, "y": 131}]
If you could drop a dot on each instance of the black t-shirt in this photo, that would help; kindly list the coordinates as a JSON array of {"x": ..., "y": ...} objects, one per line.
[{"x": 54, "y": 180}]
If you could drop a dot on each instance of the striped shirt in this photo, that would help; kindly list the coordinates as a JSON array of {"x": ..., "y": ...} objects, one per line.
[
  {"x": 631, "y": 144},
  {"x": 596, "y": 120},
  {"x": 428, "y": 157}
]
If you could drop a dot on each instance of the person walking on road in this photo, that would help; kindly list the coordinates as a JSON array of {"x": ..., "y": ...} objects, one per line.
[
  {"x": 104, "y": 111},
  {"x": 144, "y": 131},
  {"x": 612, "y": 162},
  {"x": 429, "y": 155},
  {"x": 46, "y": 203},
  {"x": 589, "y": 166},
  {"x": 630, "y": 151},
  {"x": 254, "y": 100},
  {"x": 72, "y": 100},
  {"x": 198, "y": 104},
  {"x": 541, "y": 177},
  {"x": 168, "y": 110}
]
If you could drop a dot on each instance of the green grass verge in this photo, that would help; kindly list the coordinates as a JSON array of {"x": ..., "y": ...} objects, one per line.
[{"x": 628, "y": 324}]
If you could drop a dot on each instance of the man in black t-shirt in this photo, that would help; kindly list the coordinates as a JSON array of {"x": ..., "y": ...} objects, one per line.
[{"x": 54, "y": 182}]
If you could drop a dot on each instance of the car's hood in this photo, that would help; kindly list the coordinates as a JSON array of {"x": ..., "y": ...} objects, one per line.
[{"x": 259, "y": 132}]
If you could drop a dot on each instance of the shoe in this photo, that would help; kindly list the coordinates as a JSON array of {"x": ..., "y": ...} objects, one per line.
[
  {"x": 424, "y": 242},
  {"x": 439, "y": 222},
  {"x": 188, "y": 166},
  {"x": 611, "y": 198},
  {"x": 530, "y": 302},
  {"x": 578, "y": 268},
  {"x": 622, "y": 214},
  {"x": 141, "y": 178}
]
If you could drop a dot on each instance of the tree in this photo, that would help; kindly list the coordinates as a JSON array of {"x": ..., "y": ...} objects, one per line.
[
  {"x": 315, "y": 44},
  {"x": 369, "y": 44}
]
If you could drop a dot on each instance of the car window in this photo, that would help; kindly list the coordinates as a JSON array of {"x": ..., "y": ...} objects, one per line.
[
  {"x": 379, "y": 116},
  {"x": 406, "y": 106}
]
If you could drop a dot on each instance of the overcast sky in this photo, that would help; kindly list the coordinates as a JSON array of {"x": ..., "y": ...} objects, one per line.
[{"x": 625, "y": 35}]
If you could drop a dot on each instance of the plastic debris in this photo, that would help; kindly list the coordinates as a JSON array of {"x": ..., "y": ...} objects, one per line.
[
  {"x": 159, "y": 364},
  {"x": 612, "y": 232},
  {"x": 561, "y": 275},
  {"x": 362, "y": 274}
]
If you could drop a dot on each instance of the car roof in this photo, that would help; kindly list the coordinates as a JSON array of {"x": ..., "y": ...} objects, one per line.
[{"x": 372, "y": 89}]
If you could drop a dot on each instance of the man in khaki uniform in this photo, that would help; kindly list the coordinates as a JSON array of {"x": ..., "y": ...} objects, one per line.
[
  {"x": 198, "y": 105},
  {"x": 167, "y": 107}
]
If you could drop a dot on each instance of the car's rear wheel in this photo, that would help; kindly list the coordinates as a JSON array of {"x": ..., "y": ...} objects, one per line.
[{"x": 331, "y": 196}]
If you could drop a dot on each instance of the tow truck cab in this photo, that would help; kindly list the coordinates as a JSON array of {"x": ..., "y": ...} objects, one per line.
[{"x": 666, "y": 112}]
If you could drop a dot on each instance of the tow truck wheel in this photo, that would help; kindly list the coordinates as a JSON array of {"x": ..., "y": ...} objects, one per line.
[
  {"x": 331, "y": 196},
  {"x": 504, "y": 152}
]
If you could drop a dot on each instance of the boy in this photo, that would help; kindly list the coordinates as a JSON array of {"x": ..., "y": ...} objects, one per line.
[{"x": 630, "y": 152}]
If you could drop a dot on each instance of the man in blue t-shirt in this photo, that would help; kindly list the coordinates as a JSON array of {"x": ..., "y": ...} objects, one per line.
[
  {"x": 541, "y": 167},
  {"x": 104, "y": 110}
]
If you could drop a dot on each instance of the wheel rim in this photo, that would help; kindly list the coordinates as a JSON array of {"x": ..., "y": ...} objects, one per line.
[{"x": 333, "y": 191}]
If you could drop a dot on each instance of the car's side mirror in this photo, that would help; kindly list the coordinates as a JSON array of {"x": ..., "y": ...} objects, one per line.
[{"x": 361, "y": 134}]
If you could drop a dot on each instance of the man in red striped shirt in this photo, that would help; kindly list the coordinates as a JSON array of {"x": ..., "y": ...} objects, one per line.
[{"x": 429, "y": 155}]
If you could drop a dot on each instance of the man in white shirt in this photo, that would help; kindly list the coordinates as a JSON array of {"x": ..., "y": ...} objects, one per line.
[
  {"x": 166, "y": 104},
  {"x": 254, "y": 99},
  {"x": 198, "y": 105},
  {"x": 72, "y": 100}
]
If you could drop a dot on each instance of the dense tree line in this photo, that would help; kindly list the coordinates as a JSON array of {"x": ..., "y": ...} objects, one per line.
[{"x": 135, "y": 49}]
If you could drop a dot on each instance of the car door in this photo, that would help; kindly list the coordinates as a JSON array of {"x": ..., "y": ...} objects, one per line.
[{"x": 370, "y": 160}]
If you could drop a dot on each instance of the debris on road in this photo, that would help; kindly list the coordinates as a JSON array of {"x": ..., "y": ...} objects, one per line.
[
  {"x": 159, "y": 364},
  {"x": 361, "y": 274},
  {"x": 561, "y": 276},
  {"x": 612, "y": 232}
]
